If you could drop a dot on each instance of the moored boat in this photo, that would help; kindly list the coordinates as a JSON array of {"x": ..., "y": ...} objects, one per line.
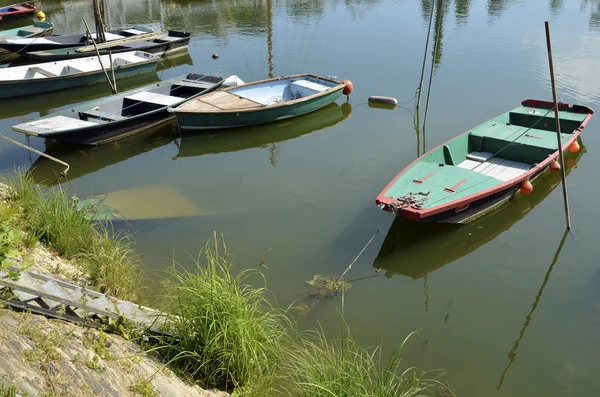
[
  {"x": 259, "y": 102},
  {"x": 484, "y": 167},
  {"x": 38, "y": 29},
  {"x": 162, "y": 44},
  {"x": 19, "y": 45},
  {"x": 120, "y": 115},
  {"x": 407, "y": 251},
  {"x": 15, "y": 11},
  {"x": 51, "y": 76}
]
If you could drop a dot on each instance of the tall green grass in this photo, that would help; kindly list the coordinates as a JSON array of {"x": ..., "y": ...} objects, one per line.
[
  {"x": 56, "y": 220},
  {"x": 229, "y": 333},
  {"x": 316, "y": 366}
]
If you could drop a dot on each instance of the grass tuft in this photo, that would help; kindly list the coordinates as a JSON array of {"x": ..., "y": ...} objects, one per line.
[
  {"x": 230, "y": 335},
  {"x": 56, "y": 220},
  {"x": 319, "y": 367}
]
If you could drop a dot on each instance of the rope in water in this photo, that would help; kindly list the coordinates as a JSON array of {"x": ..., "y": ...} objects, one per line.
[{"x": 365, "y": 247}]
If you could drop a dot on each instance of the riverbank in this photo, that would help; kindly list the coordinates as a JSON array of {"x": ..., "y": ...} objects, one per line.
[
  {"x": 50, "y": 357},
  {"x": 229, "y": 334}
]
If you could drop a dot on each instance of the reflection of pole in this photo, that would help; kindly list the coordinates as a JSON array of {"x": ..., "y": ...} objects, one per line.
[
  {"x": 425, "y": 57},
  {"x": 425, "y": 288},
  {"x": 560, "y": 152},
  {"x": 273, "y": 149},
  {"x": 435, "y": 51},
  {"x": 269, "y": 39},
  {"x": 512, "y": 355}
]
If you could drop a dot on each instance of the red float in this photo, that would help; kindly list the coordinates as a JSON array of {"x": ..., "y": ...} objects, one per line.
[
  {"x": 526, "y": 187},
  {"x": 348, "y": 88},
  {"x": 554, "y": 167}
]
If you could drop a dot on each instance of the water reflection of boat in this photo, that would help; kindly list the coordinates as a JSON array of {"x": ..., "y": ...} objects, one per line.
[
  {"x": 422, "y": 248},
  {"x": 88, "y": 159},
  {"x": 260, "y": 136}
]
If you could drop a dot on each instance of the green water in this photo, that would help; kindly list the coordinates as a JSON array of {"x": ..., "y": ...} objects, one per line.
[{"x": 495, "y": 309}]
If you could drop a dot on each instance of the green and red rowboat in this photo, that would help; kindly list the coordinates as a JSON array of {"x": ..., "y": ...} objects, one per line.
[
  {"x": 481, "y": 169},
  {"x": 260, "y": 102},
  {"x": 15, "y": 11}
]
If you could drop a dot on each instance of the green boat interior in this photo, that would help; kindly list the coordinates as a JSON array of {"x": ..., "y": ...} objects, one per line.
[{"x": 486, "y": 156}]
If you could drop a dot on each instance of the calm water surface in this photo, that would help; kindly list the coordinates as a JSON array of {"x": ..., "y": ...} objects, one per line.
[{"x": 508, "y": 306}]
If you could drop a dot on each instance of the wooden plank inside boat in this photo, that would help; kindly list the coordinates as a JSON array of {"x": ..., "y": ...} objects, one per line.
[{"x": 219, "y": 101}]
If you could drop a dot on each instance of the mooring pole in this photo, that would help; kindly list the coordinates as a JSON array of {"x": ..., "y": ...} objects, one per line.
[{"x": 558, "y": 137}]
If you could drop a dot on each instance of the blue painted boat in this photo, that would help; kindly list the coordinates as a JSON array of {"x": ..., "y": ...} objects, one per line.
[
  {"x": 260, "y": 102},
  {"x": 18, "y": 81}
]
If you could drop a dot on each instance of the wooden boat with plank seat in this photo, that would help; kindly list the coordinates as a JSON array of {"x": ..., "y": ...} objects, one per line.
[
  {"x": 259, "y": 102},
  {"x": 19, "y": 45},
  {"x": 51, "y": 76},
  {"x": 484, "y": 167},
  {"x": 16, "y": 11},
  {"x": 120, "y": 115},
  {"x": 407, "y": 248},
  {"x": 162, "y": 45}
]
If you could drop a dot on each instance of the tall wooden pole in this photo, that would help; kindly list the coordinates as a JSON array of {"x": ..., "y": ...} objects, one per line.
[{"x": 558, "y": 134}]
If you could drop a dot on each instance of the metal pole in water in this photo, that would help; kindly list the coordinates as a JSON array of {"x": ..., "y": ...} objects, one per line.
[{"x": 560, "y": 150}]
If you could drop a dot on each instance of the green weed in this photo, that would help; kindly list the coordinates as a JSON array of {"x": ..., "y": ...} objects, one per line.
[{"x": 229, "y": 333}]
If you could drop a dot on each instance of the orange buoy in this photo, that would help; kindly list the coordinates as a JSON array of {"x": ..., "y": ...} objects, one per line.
[
  {"x": 574, "y": 147},
  {"x": 346, "y": 110},
  {"x": 526, "y": 187},
  {"x": 348, "y": 88},
  {"x": 554, "y": 167}
]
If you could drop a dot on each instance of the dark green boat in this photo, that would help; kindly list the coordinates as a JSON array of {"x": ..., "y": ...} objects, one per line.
[
  {"x": 260, "y": 102},
  {"x": 484, "y": 167}
]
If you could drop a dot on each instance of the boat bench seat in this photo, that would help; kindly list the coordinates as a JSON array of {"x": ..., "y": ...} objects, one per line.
[
  {"x": 27, "y": 32},
  {"x": 512, "y": 142},
  {"x": 31, "y": 72},
  {"x": 306, "y": 88},
  {"x": 202, "y": 85},
  {"x": 541, "y": 119},
  {"x": 95, "y": 114}
]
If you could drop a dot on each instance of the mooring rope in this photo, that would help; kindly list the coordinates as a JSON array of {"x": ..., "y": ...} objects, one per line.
[
  {"x": 435, "y": 50},
  {"x": 365, "y": 247}
]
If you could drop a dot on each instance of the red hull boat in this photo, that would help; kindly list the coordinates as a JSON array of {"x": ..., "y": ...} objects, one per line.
[{"x": 15, "y": 11}]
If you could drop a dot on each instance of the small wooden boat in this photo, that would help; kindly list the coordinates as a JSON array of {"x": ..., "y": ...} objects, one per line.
[
  {"x": 259, "y": 102},
  {"x": 162, "y": 44},
  {"x": 16, "y": 11},
  {"x": 36, "y": 30},
  {"x": 51, "y": 76},
  {"x": 120, "y": 115},
  {"x": 406, "y": 250},
  {"x": 484, "y": 167},
  {"x": 20, "y": 45}
]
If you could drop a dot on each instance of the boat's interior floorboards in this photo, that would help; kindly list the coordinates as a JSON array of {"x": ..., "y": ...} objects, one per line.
[
  {"x": 219, "y": 101},
  {"x": 495, "y": 167}
]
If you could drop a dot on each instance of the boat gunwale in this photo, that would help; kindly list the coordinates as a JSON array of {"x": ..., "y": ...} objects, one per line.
[
  {"x": 418, "y": 214},
  {"x": 337, "y": 87}
]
